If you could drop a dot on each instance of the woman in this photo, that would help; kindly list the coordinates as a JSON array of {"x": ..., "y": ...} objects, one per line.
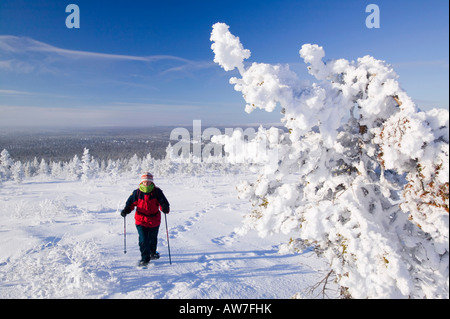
[{"x": 148, "y": 201}]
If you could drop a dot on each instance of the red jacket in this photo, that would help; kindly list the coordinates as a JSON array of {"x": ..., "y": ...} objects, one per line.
[{"x": 148, "y": 206}]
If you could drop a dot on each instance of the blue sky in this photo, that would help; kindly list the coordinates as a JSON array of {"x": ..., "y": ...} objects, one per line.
[{"x": 134, "y": 63}]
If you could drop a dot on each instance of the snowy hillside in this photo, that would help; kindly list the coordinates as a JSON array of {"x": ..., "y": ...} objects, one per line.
[{"x": 64, "y": 239}]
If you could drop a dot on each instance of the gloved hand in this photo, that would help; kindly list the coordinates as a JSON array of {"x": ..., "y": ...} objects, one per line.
[{"x": 125, "y": 212}]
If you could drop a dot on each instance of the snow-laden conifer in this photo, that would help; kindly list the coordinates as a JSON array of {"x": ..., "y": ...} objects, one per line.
[{"x": 361, "y": 174}]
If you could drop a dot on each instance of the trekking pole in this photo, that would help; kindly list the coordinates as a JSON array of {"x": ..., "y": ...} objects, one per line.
[
  {"x": 167, "y": 233},
  {"x": 124, "y": 235}
]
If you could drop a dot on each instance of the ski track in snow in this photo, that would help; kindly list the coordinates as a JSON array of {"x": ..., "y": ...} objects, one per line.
[{"x": 62, "y": 239}]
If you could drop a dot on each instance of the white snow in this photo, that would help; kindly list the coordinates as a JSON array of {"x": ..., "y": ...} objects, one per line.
[
  {"x": 64, "y": 239},
  {"x": 226, "y": 42}
]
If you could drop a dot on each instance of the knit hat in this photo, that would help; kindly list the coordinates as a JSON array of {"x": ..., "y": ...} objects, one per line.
[{"x": 147, "y": 177}]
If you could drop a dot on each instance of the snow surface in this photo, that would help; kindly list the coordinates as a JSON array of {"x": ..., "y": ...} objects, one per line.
[{"x": 64, "y": 239}]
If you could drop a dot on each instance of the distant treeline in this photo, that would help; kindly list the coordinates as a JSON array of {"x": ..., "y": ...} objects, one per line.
[{"x": 104, "y": 143}]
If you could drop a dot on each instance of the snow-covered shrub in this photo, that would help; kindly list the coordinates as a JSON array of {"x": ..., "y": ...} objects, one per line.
[
  {"x": 68, "y": 268},
  {"x": 361, "y": 174},
  {"x": 42, "y": 212}
]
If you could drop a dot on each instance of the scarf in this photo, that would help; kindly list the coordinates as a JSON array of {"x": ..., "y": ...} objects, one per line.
[{"x": 146, "y": 189}]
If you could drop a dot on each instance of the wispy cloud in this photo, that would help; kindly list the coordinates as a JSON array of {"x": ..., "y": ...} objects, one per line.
[
  {"x": 29, "y": 94},
  {"x": 18, "y": 51},
  {"x": 16, "y": 65},
  {"x": 190, "y": 66},
  {"x": 14, "y": 92},
  {"x": 14, "y": 44}
]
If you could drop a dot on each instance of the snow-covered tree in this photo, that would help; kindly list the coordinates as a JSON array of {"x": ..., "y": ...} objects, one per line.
[
  {"x": 170, "y": 162},
  {"x": 147, "y": 164},
  {"x": 134, "y": 165},
  {"x": 32, "y": 168},
  {"x": 44, "y": 169},
  {"x": 56, "y": 169},
  {"x": 86, "y": 166},
  {"x": 5, "y": 165},
  {"x": 361, "y": 174},
  {"x": 95, "y": 168},
  {"x": 113, "y": 170},
  {"x": 73, "y": 168},
  {"x": 17, "y": 172}
]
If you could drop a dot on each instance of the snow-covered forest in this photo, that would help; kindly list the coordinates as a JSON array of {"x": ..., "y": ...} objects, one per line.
[{"x": 85, "y": 167}]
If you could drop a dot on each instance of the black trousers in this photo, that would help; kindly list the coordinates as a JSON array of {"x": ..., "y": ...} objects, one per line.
[{"x": 148, "y": 240}]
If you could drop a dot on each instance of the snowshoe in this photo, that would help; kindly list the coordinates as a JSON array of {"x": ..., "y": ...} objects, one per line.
[{"x": 143, "y": 263}]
